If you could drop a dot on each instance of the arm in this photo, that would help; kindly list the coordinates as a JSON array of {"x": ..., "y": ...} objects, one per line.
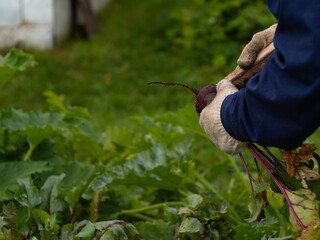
[{"x": 280, "y": 107}]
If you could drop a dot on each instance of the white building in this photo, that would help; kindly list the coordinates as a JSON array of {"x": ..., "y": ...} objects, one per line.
[{"x": 36, "y": 24}]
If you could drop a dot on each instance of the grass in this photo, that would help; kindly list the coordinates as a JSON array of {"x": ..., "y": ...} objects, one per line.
[{"x": 109, "y": 73}]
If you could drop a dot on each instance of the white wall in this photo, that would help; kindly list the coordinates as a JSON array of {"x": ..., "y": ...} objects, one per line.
[
  {"x": 10, "y": 13},
  {"x": 38, "y": 11},
  {"x": 36, "y": 23}
]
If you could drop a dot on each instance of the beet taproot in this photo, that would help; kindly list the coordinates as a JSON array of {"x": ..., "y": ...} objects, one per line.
[{"x": 204, "y": 96}]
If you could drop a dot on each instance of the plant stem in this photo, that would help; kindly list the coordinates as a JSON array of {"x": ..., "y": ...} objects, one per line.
[
  {"x": 142, "y": 217},
  {"x": 275, "y": 158},
  {"x": 242, "y": 179},
  {"x": 183, "y": 193},
  {"x": 176, "y": 232},
  {"x": 29, "y": 153},
  {"x": 250, "y": 180},
  {"x": 200, "y": 187},
  {"x": 151, "y": 207},
  {"x": 255, "y": 152},
  {"x": 233, "y": 213}
]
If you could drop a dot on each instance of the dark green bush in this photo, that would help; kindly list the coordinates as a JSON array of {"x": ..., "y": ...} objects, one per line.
[{"x": 215, "y": 31}]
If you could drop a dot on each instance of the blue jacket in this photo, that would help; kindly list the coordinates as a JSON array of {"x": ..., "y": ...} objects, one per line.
[{"x": 280, "y": 106}]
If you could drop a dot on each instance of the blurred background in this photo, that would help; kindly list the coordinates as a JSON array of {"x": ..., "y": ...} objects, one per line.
[{"x": 100, "y": 54}]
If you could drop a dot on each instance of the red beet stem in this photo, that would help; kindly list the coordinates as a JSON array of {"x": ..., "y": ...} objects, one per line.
[{"x": 195, "y": 91}]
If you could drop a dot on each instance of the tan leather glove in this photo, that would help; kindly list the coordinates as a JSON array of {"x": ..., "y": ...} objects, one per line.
[
  {"x": 210, "y": 121},
  {"x": 258, "y": 42}
]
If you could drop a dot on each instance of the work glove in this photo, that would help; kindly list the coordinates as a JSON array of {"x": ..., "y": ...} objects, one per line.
[
  {"x": 258, "y": 42},
  {"x": 210, "y": 121}
]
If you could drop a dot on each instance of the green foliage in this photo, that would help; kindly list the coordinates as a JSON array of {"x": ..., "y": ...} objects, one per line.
[
  {"x": 53, "y": 192},
  {"x": 14, "y": 170},
  {"x": 214, "y": 31},
  {"x": 157, "y": 230},
  {"x": 87, "y": 231},
  {"x": 50, "y": 199},
  {"x": 145, "y": 170},
  {"x": 256, "y": 231},
  {"x": 14, "y": 61},
  {"x": 9, "y": 225}
]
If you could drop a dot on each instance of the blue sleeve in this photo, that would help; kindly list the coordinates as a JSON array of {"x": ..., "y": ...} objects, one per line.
[{"x": 280, "y": 106}]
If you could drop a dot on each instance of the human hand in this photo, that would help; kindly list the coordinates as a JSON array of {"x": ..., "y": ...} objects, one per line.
[
  {"x": 210, "y": 121},
  {"x": 258, "y": 42}
]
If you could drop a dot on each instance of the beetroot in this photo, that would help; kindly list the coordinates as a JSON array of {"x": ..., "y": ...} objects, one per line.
[{"x": 203, "y": 97}]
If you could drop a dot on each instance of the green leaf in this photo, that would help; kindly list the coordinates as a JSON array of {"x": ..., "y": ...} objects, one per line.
[
  {"x": 27, "y": 194},
  {"x": 51, "y": 221},
  {"x": 186, "y": 118},
  {"x": 304, "y": 205},
  {"x": 35, "y": 126},
  {"x": 72, "y": 197},
  {"x": 146, "y": 169},
  {"x": 77, "y": 113},
  {"x": 244, "y": 231},
  {"x": 315, "y": 188},
  {"x": 158, "y": 230},
  {"x": 76, "y": 173},
  {"x": 194, "y": 200},
  {"x": 42, "y": 218},
  {"x": 87, "y": 231},
  {"x": 120, "y": 136},
  {"x": 254, "y": 208},
  {"x": 66, "y": 231},
  {"x": 186, "y": 212},
  {"x": 76, "y": 193},
  {"x": 275, "y": 187},
  {"x": 69, "y": 230},
  {"x": 120, "y": 230},
  {"x": 12, "y": 171},
  {"x": 108, "y": 235},
  {"x": 211, "y": 209},
  {"x": 46, "y": 151},
  {"x": 48, "y": 235},
  {"x": 132, "y": 230},
  {"x": 259, "y": 187},
  {"x": 95, "y": 203},
  {"x": 291, "y": 182},
  {"x": 170, "y": 214},
  {"x": 55, "y": 101},
  {"x": 161, "y": 132},
  {"x": 16, "y": 60},
  {"x": 190, "y": 225},
  {"x": 10, "y": 216},
  {"x": 49, "y": 194}
]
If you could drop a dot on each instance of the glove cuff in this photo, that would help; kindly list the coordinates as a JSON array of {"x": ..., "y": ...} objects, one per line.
[{"x": 210, "y": 121}]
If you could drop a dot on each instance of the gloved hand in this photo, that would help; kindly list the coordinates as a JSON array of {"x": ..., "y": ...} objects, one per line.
[
  {"x": 210, "y": 121},
  {"x": 258, "y": 42}
]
